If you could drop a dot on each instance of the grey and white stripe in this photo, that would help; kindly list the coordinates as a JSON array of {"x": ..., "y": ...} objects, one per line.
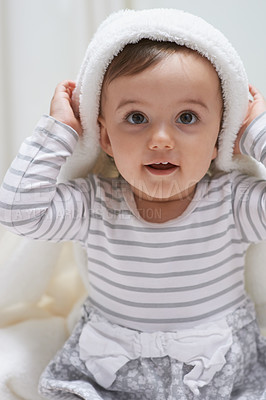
[{"x": 145, "y": 276}]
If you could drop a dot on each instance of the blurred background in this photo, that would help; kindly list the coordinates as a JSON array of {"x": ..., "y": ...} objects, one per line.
[{"x": 44, "y": 41}]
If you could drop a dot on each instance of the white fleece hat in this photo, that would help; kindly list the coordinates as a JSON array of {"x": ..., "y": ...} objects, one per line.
[{"x": 129, "y": 26}]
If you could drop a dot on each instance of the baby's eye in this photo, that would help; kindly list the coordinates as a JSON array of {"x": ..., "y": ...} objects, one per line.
[
  {"x": 136, "y": 118},
  {"x": 187, "y": 118}
]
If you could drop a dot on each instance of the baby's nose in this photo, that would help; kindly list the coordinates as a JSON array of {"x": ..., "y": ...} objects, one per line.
[{"x": 161, "y": 139}]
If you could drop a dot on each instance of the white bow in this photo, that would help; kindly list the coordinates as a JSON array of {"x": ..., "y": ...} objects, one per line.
[{"x": 105, "y": 348}]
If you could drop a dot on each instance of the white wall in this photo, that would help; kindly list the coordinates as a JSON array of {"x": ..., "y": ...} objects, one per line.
[
  {"x": 242, "y": 22},
  {"x": 43, "y": 42}
]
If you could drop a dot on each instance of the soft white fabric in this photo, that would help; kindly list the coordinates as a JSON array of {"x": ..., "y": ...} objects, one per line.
[
  {"x": 26, "y": 348},
  {"x": 204, "y": 348},
  {"x": 40, "y": 297}
]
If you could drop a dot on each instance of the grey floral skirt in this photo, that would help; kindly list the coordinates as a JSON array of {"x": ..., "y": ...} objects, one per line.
[{"x": 241, "y": 376}]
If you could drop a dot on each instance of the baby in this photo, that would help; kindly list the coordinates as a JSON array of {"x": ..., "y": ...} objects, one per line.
[{"x": 167, "y": 315}]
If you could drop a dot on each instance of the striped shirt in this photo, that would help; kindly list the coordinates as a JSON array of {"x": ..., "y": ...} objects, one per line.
[{"x": 142, "y": 275}]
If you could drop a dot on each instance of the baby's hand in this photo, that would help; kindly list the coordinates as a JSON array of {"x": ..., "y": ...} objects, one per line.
[
  {"x": 256, "y": 107},
  {"x": 61, "y": 107}
]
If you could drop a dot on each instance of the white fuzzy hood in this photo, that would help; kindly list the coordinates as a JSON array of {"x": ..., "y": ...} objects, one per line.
[{"x": 128, "y": 26}]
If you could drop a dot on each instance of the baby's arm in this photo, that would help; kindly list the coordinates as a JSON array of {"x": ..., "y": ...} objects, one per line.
[
  {"x": 31, "y": 201},
  {"x": 250, "y": 192}
]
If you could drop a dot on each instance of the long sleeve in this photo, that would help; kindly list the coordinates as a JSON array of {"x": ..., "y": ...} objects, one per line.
[
  {"x": 250, "y": 193},
  {"x": 31, "y": 201},
  {"x": 253, "y": 141}
]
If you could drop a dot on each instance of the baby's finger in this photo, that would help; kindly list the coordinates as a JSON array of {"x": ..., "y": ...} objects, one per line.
[
  {"x": 65, "y": 87},
  {"x": 255, "y": 93}
]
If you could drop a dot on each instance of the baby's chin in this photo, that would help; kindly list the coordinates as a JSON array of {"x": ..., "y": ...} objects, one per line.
[{"x": 160, "y": 194}]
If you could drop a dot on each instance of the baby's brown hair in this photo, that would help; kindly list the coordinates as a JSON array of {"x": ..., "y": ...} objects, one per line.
[{"x": 136, "y": 57}]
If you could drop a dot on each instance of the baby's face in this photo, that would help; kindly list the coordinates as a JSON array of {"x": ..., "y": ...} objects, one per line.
[{"x": 161, "y": 125}]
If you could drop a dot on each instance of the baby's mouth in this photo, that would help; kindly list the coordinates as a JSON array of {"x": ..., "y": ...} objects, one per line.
[{"x": 161, "y": 166}]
